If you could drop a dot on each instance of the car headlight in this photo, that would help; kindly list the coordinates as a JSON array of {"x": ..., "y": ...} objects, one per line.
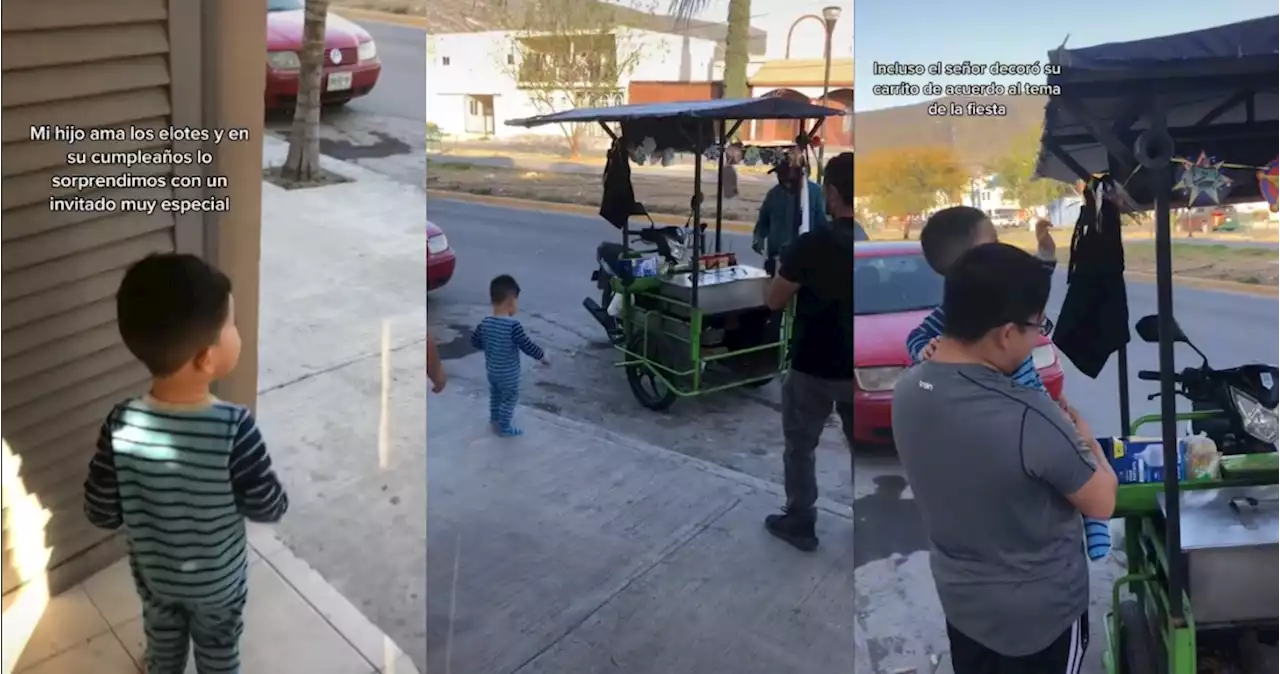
[
  {"x": 877, "y": 378},
  {"x": 283, "y": 60},
  {"x": 1043, "y": 356},
  {"x": 1258, "y": 421},
  {"x": 437, "y": 244},
  {"x": 367, "y": 51}
]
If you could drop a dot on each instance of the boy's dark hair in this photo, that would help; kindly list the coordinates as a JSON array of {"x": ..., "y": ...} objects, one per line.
[
  {"x": 949, "y": 233},
  {"x": 169, "y": 307},
  {"x": 992, "y": 285},
  {"x": 839, "y": 174},
  {"x": 503, "y": 288}
]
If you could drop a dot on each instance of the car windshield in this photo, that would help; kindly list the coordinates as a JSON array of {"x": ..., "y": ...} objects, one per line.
[
  {"x": 283, "y": 5},
  {"x": 894, "y": 284}
]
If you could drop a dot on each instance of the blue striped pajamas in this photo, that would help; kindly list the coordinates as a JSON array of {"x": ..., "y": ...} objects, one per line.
[
  {"x": 181, "y": 480},
  {"x": 1097, "y": 532},
  {"x": 503, "y": 339}
]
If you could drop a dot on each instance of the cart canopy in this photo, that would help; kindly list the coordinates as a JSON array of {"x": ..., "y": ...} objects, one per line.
[
  {"x": 719, "y": 109},
  {"x": 687, "y": 126},
  {"x": 1217, "y": 87}
]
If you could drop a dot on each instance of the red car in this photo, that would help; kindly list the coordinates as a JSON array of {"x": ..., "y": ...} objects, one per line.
[
  {"x": 894, "y": 289},
  {"x": 440, "y": 258},
  {"x": 351, "y": 65}
]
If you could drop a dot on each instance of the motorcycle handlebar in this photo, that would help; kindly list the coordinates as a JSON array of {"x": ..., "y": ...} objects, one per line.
[{"x": 1148, "y": 375}]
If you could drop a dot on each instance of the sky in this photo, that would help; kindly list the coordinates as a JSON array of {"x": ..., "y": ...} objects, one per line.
[
  {"x": 1010, "y": 31},
  {"x": 776, "y": 16}
]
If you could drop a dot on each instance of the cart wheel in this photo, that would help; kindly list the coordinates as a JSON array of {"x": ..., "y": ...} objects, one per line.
[
  {"x": 1140, "y": 653},
  {"x": 646, "y": 385}
]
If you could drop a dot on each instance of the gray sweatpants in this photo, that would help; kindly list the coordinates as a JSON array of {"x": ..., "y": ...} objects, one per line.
[{"x": 807, "y": 402}]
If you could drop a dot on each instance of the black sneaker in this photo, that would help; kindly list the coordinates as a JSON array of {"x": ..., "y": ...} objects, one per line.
[{"x": 794, "y": 527}]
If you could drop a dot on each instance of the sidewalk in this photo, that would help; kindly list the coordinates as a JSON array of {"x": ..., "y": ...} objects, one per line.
[
  {"x": 295, "y": 623},
  {"x": 573, "y": 549}
]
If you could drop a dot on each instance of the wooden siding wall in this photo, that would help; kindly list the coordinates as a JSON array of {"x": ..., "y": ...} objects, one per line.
[{"x": 86, "y": 63}]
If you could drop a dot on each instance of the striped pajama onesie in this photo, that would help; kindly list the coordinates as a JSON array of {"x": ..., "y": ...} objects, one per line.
[
  {"x": 1097, "y": 532},
  {"x": 502, "y": 338},
  {"x": 181, "y": 479}
]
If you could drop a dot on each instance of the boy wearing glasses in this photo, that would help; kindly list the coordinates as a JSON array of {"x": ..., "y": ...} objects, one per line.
[{"x": 950, "y": 233}]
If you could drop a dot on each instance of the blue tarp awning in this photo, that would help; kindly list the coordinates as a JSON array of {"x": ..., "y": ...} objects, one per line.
[
  {"x": 1217, "y": 87},
  {"x": 719, "y": 109},
  {"x": 1253, "y": 39}
]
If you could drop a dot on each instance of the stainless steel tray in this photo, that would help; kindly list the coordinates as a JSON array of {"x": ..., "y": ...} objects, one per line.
[
  {"x": 720, "y": 291},
  {"x": 1230, "y": 537}
]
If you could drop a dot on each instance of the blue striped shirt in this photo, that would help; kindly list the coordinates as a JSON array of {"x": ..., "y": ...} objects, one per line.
[
  {"x": 931, "y": 327},
  {"x": 181, "y": 480},
  {"x": 502, "y": 339}
]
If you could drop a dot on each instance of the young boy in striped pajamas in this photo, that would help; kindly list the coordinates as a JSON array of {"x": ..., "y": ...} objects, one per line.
[
  {"x": 946, "y": 236},
  {"x": 502, "y": 339},
  {"x": 181, "y": 470}
]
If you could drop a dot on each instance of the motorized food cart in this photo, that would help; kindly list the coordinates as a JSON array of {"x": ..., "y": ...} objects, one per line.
[
  {"x": 1201, "y": 574},
  {"x": 695, "y": 324}
]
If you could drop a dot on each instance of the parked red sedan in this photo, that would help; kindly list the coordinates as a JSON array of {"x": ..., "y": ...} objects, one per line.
[
  {"x": 351, "y": 65},
  {"x": 893, "y": 290},
  {"x": 441, "y": 259}
]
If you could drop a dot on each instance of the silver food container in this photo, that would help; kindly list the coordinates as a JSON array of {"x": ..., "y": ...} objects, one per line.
[
  {"x": 1230, "y": 537},
  {"x": 720, "y": 291}
]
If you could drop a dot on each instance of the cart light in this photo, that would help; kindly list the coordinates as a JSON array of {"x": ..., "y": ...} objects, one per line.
[
  {"x": 1044, "y": 356},
  {"x": 1258, "y": 421},
  {"x": 877, "y": 379}
]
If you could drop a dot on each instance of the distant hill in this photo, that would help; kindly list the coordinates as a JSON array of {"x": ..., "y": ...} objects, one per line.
[{"x": 976, "y": 140}]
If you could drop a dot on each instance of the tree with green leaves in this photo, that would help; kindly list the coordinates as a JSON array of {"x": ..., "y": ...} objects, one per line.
[
  {"x": 569, "y": 54},
  {"x": 906, "y": 183},
  {"x": 1015, "y": 174},
  {"x": 737, "y": 48}
]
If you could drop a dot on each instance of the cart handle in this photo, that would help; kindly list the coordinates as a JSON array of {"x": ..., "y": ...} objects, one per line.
[{"x": 1148, "y": 419}]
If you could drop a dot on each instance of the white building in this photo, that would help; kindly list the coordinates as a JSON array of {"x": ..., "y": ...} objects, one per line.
[
  {"x": 985, "y": 194},
  {"x": 473, "y": 79}
]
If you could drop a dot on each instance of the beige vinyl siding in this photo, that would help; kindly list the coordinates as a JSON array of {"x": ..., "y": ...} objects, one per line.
[{"x": 88, "y": 64}]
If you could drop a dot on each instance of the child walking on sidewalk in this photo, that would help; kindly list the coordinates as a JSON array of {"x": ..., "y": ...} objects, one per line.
[
  {"x": 181, "y": 470},
  {"x": 502, "y": 339}
]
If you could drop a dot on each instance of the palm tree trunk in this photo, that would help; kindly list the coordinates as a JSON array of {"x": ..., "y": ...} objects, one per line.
[
  {"x": 303, "y": 162},
  {"x": 737, "y": 49}
]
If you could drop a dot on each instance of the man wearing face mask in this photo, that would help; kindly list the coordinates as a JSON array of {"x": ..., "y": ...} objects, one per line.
[
  {"x": 778, "y": 223},
  {"x": 1000, "y": 475}
]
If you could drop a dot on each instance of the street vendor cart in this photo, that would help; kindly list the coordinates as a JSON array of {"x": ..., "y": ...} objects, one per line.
[
  {"x": 1144, "y": 120},
  {"x": 688, "y": 318}
]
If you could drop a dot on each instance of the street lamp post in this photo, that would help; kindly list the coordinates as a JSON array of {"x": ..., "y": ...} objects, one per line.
[{"x": 830, "y": 15}]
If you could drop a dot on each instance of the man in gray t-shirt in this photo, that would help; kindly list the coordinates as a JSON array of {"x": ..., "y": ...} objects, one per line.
[{"x": 1000, "y": 476}]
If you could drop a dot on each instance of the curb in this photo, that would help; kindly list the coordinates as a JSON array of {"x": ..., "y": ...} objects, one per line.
[
  {"x": 1256, "y": 289},
  {"x": 354, "y": 14},
  {"x": 734, "y": 226}
]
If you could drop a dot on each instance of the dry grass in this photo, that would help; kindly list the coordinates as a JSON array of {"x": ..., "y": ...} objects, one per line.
[
  {"x": 658, "y": 194},
  {"x": 670, "y": 195},
  {"x": 1217, "y": 262}
]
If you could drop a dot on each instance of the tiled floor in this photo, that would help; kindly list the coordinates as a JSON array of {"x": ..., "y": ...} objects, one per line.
[{"x": 295, "y": 622}]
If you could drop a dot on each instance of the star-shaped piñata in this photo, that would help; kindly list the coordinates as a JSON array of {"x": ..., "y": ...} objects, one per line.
[{"x": 1203, "y": 181}]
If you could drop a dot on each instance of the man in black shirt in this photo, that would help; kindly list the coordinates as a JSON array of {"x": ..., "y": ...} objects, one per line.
[{"x": 817, "y": 269}]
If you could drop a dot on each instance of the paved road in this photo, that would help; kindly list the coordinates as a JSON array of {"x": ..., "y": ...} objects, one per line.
[
  {"x": 551, "y": 255},
  {"x": 386, "y": 130}
]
